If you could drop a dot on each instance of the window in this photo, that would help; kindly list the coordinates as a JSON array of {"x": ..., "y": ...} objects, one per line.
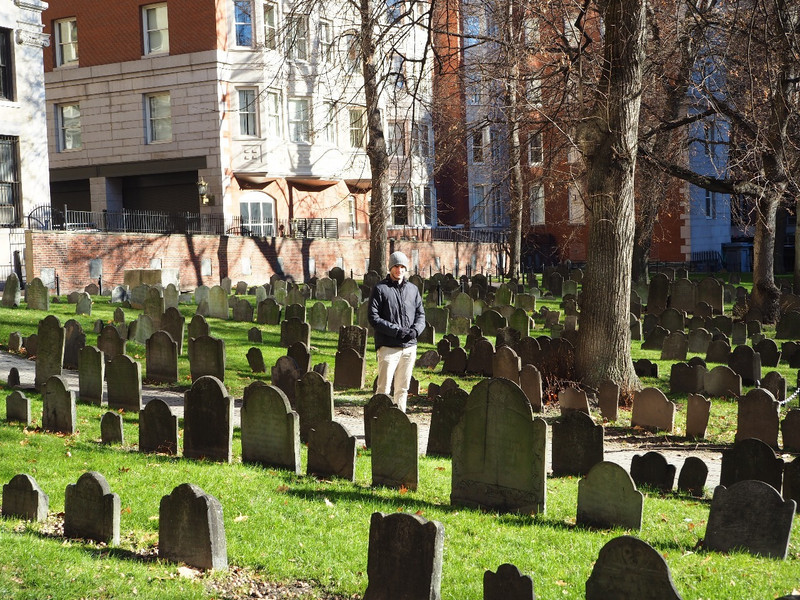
[
  {"x": 243, "y": 22},
  {"x": 472, "y": 28},
  {"x": 477, "y": 146},
  {"x": 258, "y": 215},
  {"x": 396, "y": 71},
  {"x": 394, "y": 10},
  {"x": 66, "y": 31},
  {"x": 158, "y": 117},
  {"x": 352, "y": 51},
  {"x": 478, "y": 201},
  {"x": 535, "y": 149},
  {"x": 420, "y": 139},
  {"x": 351, "y": 209},
  {"x": 533, "y": 91},
  {"x": 357, "y": 132},
  {"x": 576, "y": 208},
  {"x": 6, "y": 66},
  {"x": 298, "y": 120},
  {"x": 399, "y": 206},
  {"x": 423, "y": 206},
  {"x": 395, "y": 138},
  {"x": 248, "y": 124},
  {"x": 68, "y": 119},
  {"x": 270, "y": 25},
  {"x": 274, "y": 114},
  {"x": 531, "y": 28},
  {"x": 474, "y": 88},
  {"x": 10, "y": 192},
  {"x": 572, "y": 32},
  {"x": 156, "y": 32},
  {"x": 536, "y": 196},
  {"x": 326, "y": 40},
  {"x": 329, "y": 124},
  {"x": 297, "y": 40},
  {"x": 711, "y": 205},
  {"x": 494, "y": 145}
]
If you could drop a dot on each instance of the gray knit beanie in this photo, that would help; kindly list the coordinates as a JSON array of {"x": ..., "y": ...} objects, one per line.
[{"x": 398, "y": 258}]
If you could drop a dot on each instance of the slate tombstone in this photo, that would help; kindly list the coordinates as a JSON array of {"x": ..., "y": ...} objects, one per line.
[
  {"x": 699, "y": 340},
  {"x": 438, "y": 318},
  {"x": 74, "y": 340},
  {"x": 577, "y": 444},
  {"x": 18, "y": 408},
  {"x": 750, "y": 516},
  {"x": 790, "y": 428},
  {"x": 481, "y": 358},
  {"x": 405, "y": 557},
  {"x": 270, "y": 428},
  {"x": 768, "y": 351},
  {"x": 683, "y": 295},
  {"x": 58, "y": 406},
  {"x": 685, "y": 378},
  {"x": 174, "y": 323},
  {"x": 455, "y": 362},
  {"x": 653, "y": 470},
  {"x": 710, "y": 290},
  {"x": 448, "y": 409},
  {"x": 326, "y": 288},
  {"x": 509, "y": 474},
  {"x": 255, "y": 360},
  {"x": 506, "y": 363},
  {"x": 652, "y": 409},
  {"x": 158, "y": 428},
  {"x": 198, "y": 327},
  {"x": 268, "y": 312},
  {"x": 161, "y": 358},
  {"x": 207, "y": 357},
  {"x": 608, "y": 400},
  {"x": 349, "y": 286},
  {"x": 693, "y": 476},
  {"x": 490, "y": 321},
  {"x": 11, "y": 292},
  {"x": 607, "y": 498},
  {"x": 24, "y": 499},
  {"x": 301, "y": 354},
  {"x": 395, "y": 461},
  {"x": 208, "y": 420},
  {"x": 758, "y": 417},
  {"x": 141, "y": 329},
  {"x": 719, "y": 351},
  {"x": 530, "y": 380},
  {"x": 791, "y": 480},
  {"x": 645, "y": 368},
  {"x": 751, "y": 459},
  {"x": 571, "y": 399},
  {"x": 376, "y": 405},
  {"x": 672, "y": 320},
  {"x": 124, "y": 383},
  {"x": 218, "y": 303},
  {"x": 658, "y": 294},
  {"x": 111, "y": 428},
  {"x": 703, "y": 310},
  {"x": 698, "y": 410},
  {"x": 739, "y": 333},
  {"x": 630, "y": 568},
  {"x": 91, "y": 374},
  {"x": 507, "y": 584},
  {"x": 649, "y": 323},
  {"x": 318, "y": 317},
  {"x": 461, "y": 305},
  {"x": 171, "y": 295},
  {"x": 294, "y": 330},
  {"x": 313, "y": 402},
  {"x": 723, "y": 323},
  {"x": 192, "y": 529},
  {"x": 119, "y": 294},
  {"x": 37, "y": 295},
  {"x": 775, "y": 383},
  {"x": 788, "y": 327},
  {"x": 226, "y": 284},
  {"x": 746, "y": 362},
  {"x": 154, "y": 307},
  {"x": 91, "y": 510},
  {"x": 331, "y": 451},
  {"x": 50, "y": 355},
  {"x": 295, "y": 311},
  {"x": 722, "y": 381},
  {"x": 675, "y": 346},
  {"x": 14, "y": 341}
]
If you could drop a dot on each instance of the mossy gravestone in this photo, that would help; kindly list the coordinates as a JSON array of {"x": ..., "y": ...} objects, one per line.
[
  {"x": 23, "y": 498},
  {"x": 270, "y": 428},
  {"x": 91, "y": 510},
  {"x": 208, "y": 421}
]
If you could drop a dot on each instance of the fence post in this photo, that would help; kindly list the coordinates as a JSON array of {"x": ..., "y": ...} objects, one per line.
[{"x": 58, "y": 286}]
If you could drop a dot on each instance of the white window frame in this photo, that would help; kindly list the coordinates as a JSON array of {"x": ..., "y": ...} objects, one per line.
[
  {"x": 537, "y": 204},
  {"x": 351, "y": 209},
  {"x": 478, "y": 199},
  {"x": 357, "y": 127},
  {"x": 397, "y": 71},
  {"x": 420, "y": 139},
  {"x": 70, "y": 40},
  {"x": 397, "y": 192},
  {"x": 535, "y": 149},
  {"x": 329, "y": 122},
  {"x": 297, "y": 37},
  {"x": 494, "y": 145},
  {"x": 67, "y": 125},
  {"x": 162, "y": 31},
  {"x": 530, "y": 26},
  {"x": 478, "y": 150},
  {"x": 474, "y": 90},
  {"x": 575, "y": 207},
  {"x": 325, "y": 29},
  {"x": 248, "y": 111},
  {"x": 274, "y": 114},
  {"x": 152, "y": 131},
  {"x": 396, "y": 138},
  {"x": 423, "y": 205},
  {"x": 263, "y": 225},
  {"x": 270, "y": 25},
  {"x": 533, "y": 91},
  {"x": 710, "y": 210},
  {"x": 299, "y": 122},
  {"x": 237, "y": 24}
]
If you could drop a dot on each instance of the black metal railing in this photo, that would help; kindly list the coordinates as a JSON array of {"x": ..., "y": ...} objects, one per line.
[{"x": 707, "y": 260}]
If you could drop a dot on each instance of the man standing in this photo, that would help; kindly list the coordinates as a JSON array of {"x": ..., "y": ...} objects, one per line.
[{"x": 395, "y": 313}]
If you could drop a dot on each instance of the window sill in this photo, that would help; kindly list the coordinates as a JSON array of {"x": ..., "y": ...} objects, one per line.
[
  {"x": 67, "y": 66},
  {"x": 155, "y": 55},
  {"x": 159, "y": 142}
]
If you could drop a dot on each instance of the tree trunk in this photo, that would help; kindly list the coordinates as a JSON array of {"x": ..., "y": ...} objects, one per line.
[
  {"x": 766, "y": 295},
  {"x": 609, "y": 141},
  {"x": 514, "y": 149}
]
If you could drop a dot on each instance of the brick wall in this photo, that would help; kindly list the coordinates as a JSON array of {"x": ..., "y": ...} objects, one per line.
[{"x": 70, "y": 253}]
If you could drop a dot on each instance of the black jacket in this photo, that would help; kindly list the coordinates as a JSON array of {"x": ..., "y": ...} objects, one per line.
[{"x": 392, "y": 307}]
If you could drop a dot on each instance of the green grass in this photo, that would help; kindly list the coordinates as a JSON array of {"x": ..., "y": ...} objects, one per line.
[{"x": 282, "y": 527}]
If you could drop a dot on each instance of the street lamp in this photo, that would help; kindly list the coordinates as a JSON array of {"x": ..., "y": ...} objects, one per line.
[{"x": 202, "y": 191}]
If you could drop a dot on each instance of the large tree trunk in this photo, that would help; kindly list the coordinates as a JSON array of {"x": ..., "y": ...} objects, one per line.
[
  {"x": 609, "y": 141},
  {"x": 514, "y": 149},
  {"x": 766, "y": 296}
]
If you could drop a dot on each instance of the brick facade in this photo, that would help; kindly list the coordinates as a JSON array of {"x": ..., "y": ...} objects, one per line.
[{"x": 70, "y": 253}]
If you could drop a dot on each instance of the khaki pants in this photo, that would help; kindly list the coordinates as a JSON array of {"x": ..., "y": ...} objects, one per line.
[{"x": 397, "y": 364}]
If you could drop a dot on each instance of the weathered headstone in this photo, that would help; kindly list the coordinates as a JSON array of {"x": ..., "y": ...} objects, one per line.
[
  {"x": 577, "y": 444},
  {"x": 270, "y": 428},
  {"x": 758, "y": 417},
  {"x": 174, "y": 323},
  {"x": 686, "y": 379},
  {"x": 448, "y": 408},
  {"x": 607, "y": 497},
  {"x": 652, "y": 409},
  {"x": 376, "y": 405},
  {"x": 746, "y": 362},
  {"x": 50, "y": 356},
  {"x": 24, "y": 499},
  {"x": 124, "y": 383},
  {"x": 11, "y": 292},
  {"x": 18, "y": 408},
  {"x": 751, "y": 459},
  {"x": 790, "y": 429},
  {"x": 313, "y": 402},
  {"x": 208, "y": 420},
  {"x": 37, "y": 295},
  {"x": 161, "y": 358},
  {"x": 507, "y": 584},
  {"x": 692, "y": 478},
  {"x": 111, "y": 431},
  {"x": 207, "y": 357},
  {"x": 697, "y": 413},
  {"x": 218, "y": 303},
  {"x": 91, "y": 510},
  {"x": 721, "y": 381},
  {"x": 653, "y": 470},
  {"x": 331, "y": 451},
  {"x": 284, "y": 375},
  {"x": 91, "y": 374},
  {"x": 59, "y": 413},
  {"x": 158, "y": 428},
  {"x": 395, "y": 461},
  {"x": 294, "y": 330}
]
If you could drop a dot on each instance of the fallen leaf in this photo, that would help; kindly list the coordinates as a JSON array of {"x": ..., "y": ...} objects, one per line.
[
  {"x": 403, "y": 489},
  {"x": 240, "y": 518},
  {"x": 187, "y": 573},
  {"x": 282, "y": 489},
  {"x": 328, "y": 502}
]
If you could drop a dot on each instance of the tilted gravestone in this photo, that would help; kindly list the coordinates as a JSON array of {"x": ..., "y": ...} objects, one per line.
[
  {"x": 23, "y": 498},
  {"x": 208, "y": 421},
  {"x": 448, "y": 408},
  {"x": 124, "y": 384},
  {"x": 91, "y": 374},
  {"x": 91, "y": 510},
  {"x": 653, "y": 470},
  {"x": 284, "y": 376},
  {"x": 161, "y": 358},
  {"x": 207, "y": 357},
  {"x": 255, "y": 360},
  {"x": 652, "y": 409},
  {"x": 59, "y": 413},
  {"x": 577, "y": 444},
  {"x": 395, "y": 460},
  {"x": 750, "y": 516},
  {"x": 268, "y": 312},
  {"x": 790, "y": 429},
  {"x": 294, "y": 330},
  {"x": 11, "y": 292},
  {"x": 174, "y": 323},
  {"x": 74, "y": 340},
  {"x": 758, "y": 417},
  {"x": 377, "y": 404},
  {"x": 506, "y": 363},
  {"x": 530, "y": 380},
  {"x": 607, "y": 497},
  {"x": 455, "y": 362},
  {"x": 675, "y": 346},
  {"x": 191, "y": 529},
  {"x": 111, "y": 343},
  {"x": 50, "y": 356},
  {"x": 158, "y": 428},
  {"x": 775, "y": 383},
  {"x": 313, "y": 402},
  {"x": 331, "y": 451},
  {"x": 499, "y": 451},
  {"x": 481, "y": 358},
  {"x": 270, "y": 428},
  {"x": 693, "y": 476},
  {"x": 154, "y": 306},
  {"x": 721, "y": 381},
  {"x": 746, "y": 362},
  {"x": 340, "y": 313},
  {"x": 141, "y": 329},
  {"x": 18, "y": 408},
  {"x": 658, "y": 294},
  {"x": 718, "y": 351},
  {"x": 318, "y": 317},
  {"x": 686, "y": 379},
  {"x": 507, "y": 584},
  {"x": 791, "y": 480},
  {"x": 571, "y": 399},
  {"x": 710, "y": 290},
  {"x": 699, "y": 340},
  {"x": 111, "y": 431},
  {"x": 326, "y": 288},
  {"x": 627, "y": 567},
  {"x": 751, "y": 459},
  {"x": 698, "y": 410},
  {"x": 301, "y": 355},
  {"x": 198, "y": 327},
  {"x": 405, "y": 557}
]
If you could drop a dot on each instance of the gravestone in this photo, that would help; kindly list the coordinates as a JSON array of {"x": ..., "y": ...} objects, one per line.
[
  {"x": 255, "y": 360},
  {"x": 490, "y": 321},
  {"x": 710, "y": 291},
  {"x": 14, "y": 341},
  {"x": 11, "y": 292},
  {"x": 530, "y": 380},
  {"x": 191, "y": 529},
  {"x": 158, "y": 428},
  {"x": 74, "y": 340},
  {"x": 683, "y": 295},
  {"x": 18, "y": 408},
  {"x": 37, "y": 295},
  {"x": 658, "y": 294},
  {"x": 645, "y": 368},
  {"x": 376, "y": 405},
  {"x": 270, "y": 428},
  {"x": 791, "y": 480},
  {"x": 207, "y": 357},
  {"x": 698, "y": 410},
  {"x": 58, "y": 406},
  {"x": 507, "y": 584},
  {"x": 91, "y": 510},
  {"x": 198, "y": 327},
  {"x": 111, "y": 428},
  {"x": 438, "y": 318},
  {"x": 455, "y": 362},
  {"x": 124, "y": 384},
  {"x": 675, "y": 346},
  {"x": 174, "y": 323},
  {"x": 758, "y": 417},
  {"x": 630, "y": 568},
  {"x": 268, "y": 312},
  {"x": 746, "y": 362},
  {"x": 218, "y": 303},
  {"x": 295, "y": 311},
  {"x": 284, "y": 376},
  {"x": 448, "y": 409},
  {"x": 608, "y": 400},
  {"x": 577, "y": 444},
  {"x": 301, "y": 355},
  {"x": 326, "y": 288},
  {"x": 340, "y": 313},
  {"x": 693, "y": 476},
  {"x": 652, "y": 469},
  {"x": 161, "y": 358},
  {"x": 739, "y": 333},
  {"x": 481, "y": 358},
  {"x": 608, "y": 498},
  {"x": 721, "y": 381},
  {"x": 429, "y": 360},
  {"x": 318, "y": 317},
  {"x": 790, "y": 429},
  {"x": 571, "y": 399},
  {"x": 788, "y": 327},
  {"x": 313, "y": 402},
  {"x": 686, "y": 379},
  {"x": 768, "y": 351},
  {"x": 506, "y": 363},
  {"x": 750, "y": 516},
  {"x": 775, "y": 383},
  {"x": 499, "y": 451},
  {"x": 331, "y": 451},
  {"x": 91, "y": 374},
  {"x": 652, "y": 409},
  {"x": 751, "y": 459},
  {"x": 699, "y": 340},
  {"x": 405, "y": 557},
  {"x": 395, "y": 461},
  {"x": 24, "y": 499},
  {"x": 672, "y": 320},
  {"x": 294, "y": 330},
  {"x": 50, "y": 355},
  {"x": 208, "y": 420},
  {"x": 171, "y": 295},
  {"x": 141, "y": 329},
  {"x": 154, "y": 307}
]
